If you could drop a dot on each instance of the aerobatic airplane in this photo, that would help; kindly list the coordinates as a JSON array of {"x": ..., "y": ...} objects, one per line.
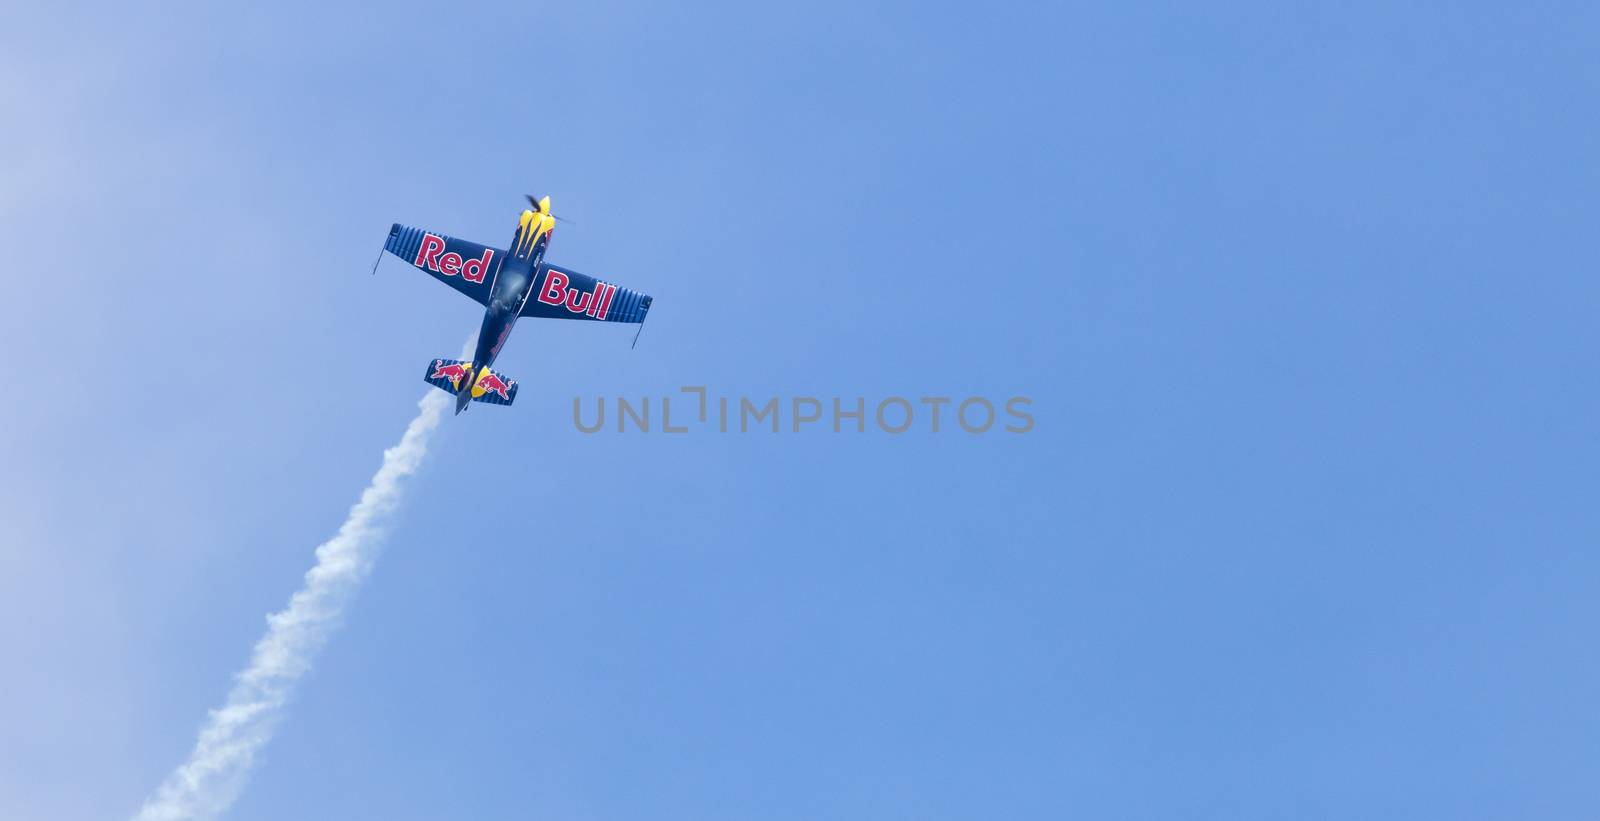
[{"x": 509, "y": 285}]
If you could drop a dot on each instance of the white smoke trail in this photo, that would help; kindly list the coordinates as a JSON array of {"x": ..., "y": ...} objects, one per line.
[{"x": 207, "y": 784}]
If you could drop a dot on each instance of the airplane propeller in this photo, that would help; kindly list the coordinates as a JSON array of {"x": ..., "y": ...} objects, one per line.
[{"x": 540, "y": 208}]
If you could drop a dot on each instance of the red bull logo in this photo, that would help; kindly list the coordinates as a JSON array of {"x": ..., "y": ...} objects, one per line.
[
  {"x": 453, "y": 371},
  {"x": 557, "y": 291},
  {"x": 433, "y": 257},
  {"x": 491, "y": 381}
]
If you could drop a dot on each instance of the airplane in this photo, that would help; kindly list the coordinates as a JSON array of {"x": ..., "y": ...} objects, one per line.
[{"x": 510, "y": 285}]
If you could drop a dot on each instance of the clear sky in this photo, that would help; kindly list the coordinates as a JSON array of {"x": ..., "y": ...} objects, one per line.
[{"x": 1303, "y": 296}]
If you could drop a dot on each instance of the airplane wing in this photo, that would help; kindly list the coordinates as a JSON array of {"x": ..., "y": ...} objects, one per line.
[
  {"x": 465, "y": 266},
  {"x": 562, "y": 293}
]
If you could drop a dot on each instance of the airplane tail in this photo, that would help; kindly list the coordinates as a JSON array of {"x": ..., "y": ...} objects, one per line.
[{"x": 456, "y": 377}]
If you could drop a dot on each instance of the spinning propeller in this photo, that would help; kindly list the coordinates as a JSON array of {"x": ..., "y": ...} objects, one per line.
[{"x": 543, "y": 207}]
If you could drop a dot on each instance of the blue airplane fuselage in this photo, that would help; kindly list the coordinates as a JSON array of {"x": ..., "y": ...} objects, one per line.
[{"x": 513, "y": 282}]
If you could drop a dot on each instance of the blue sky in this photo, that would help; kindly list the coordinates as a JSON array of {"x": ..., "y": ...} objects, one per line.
[{"x": 1303, "y": 297}]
